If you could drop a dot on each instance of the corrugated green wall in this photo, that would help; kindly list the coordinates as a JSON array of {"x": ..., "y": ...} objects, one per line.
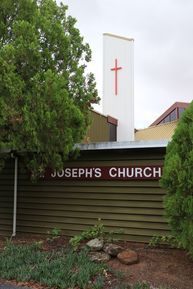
[
  {"x": 131, "y": 208},
  {"x": 6, "y": 198}
]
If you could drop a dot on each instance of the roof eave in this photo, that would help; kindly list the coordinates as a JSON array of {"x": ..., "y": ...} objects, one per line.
[{"x": 123, "y": 145}]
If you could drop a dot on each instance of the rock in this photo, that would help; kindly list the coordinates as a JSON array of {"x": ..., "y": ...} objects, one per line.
[
  {"x": 112, "y": 249},
  {"x": 128, "y": 257},
  {"x": 95, "y": 244},
  {"x": 99, "y": 256}
]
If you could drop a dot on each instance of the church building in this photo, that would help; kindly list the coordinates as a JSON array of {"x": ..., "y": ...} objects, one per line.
[{"x": 114, "y": 179}]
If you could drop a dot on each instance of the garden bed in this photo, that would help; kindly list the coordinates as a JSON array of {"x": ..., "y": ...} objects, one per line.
[{"x": 158, "y": 267}]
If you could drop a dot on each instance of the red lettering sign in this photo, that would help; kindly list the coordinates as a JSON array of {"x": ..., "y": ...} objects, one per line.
[{"x": 106, "y": 173}]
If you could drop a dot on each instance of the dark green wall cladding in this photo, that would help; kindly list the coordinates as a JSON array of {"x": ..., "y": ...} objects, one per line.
[
  {"x": 6, "y": 198},
  {"x": 132, "y": 209}
]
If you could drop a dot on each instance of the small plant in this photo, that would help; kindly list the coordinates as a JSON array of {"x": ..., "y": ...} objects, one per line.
[
  {"x": 98, "y": 283},
  {"x": 122, "y": 286},
  {"x": 118, "y": 274},
  {"x": 164, "y": 240},
  {"x": 54, "y": 233},
  {"x": 92, "y": 232},
  {"x": 96, "y": 231},
  {"x": 112, "y": 236},
  {"x": 141, "y": 286}
]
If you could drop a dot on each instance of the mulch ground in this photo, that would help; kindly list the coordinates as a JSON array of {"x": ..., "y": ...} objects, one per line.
[
  {"x": 158, "y": 267},
  {"x": 12, "y": 286}
]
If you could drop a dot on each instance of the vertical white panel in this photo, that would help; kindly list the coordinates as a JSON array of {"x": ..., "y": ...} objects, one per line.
[{"x": 120, "y": 103}]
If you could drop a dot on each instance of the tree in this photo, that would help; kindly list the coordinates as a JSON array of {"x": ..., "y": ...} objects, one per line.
[
  {"x": 178, "y": 181},
  {"x": 45, "y": 93}
]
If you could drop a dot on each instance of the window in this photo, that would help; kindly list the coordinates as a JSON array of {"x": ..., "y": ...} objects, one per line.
[
  {"x": 112, "y": 132},
  {"x": 181, "y": 110},
  {"x": 167, "y": 119},
  {"x": 173, "y": 115}
]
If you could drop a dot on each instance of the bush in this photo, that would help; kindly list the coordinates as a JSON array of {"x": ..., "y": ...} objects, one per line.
[{"x": 178, "y": 181}]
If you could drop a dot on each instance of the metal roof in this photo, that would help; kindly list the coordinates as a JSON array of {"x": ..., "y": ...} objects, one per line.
[
  {"x": 124, "y": 145},
  {"x": 115, "y": 145},
  {"x": 176, "y": 105}
]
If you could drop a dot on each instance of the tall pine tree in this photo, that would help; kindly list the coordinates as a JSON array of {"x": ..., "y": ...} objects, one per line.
[{"x": 45, "y": 93}]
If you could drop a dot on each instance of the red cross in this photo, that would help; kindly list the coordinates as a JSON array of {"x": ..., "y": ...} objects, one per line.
[{"x": 115, "y": 69}]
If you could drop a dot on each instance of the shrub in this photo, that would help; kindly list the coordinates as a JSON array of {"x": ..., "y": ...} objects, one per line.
[
  {"x": 92, "y": 232},
  {"x": 178, "y": 181}
]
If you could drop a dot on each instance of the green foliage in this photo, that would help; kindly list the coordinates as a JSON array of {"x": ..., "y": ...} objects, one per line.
[
  {"x": 168, "y": 240},
  {"x": 178, "y": 181},
  {"x": 92, "y": 232},
  {"x": 122, "y": 285},
  {"x": 113, "y": 236},
  {"x": 45, "y": 93},
  {"x": 118, "y": 274},
  {"x": 96, "y": 231},
  {"x": 55, "y": 232},
  {"x": 59, "y": 269},
  {"x": 140, "y": 285},
  {"x": 99, "y": 282}
]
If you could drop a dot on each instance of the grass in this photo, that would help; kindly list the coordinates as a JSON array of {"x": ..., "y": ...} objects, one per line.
[{"x": 60, "y": 269}]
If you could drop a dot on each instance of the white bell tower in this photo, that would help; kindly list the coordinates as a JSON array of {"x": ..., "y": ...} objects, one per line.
[{"x": 118, "y": 83}]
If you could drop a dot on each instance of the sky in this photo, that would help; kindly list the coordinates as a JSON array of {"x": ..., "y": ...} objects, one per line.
[{"x": 163, "y": 48}]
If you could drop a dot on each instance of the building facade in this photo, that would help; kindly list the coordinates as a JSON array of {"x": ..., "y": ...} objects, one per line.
[{"x": 115, "y": 182}]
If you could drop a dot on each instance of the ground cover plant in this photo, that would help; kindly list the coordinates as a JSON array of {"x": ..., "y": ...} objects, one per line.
[{"x": 61, "y": 268}]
